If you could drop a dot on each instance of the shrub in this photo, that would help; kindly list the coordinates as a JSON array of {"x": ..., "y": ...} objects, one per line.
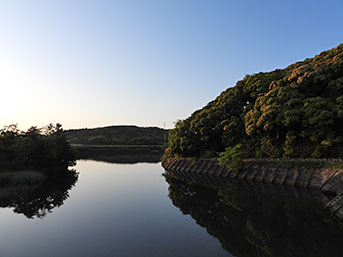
[
  {"x": 233, "y": 157},
  {"x": 35, "y": 149}
]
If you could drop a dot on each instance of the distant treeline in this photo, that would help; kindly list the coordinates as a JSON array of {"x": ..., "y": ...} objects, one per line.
[
  {"x": 44, "y": 149},
  {"x": 117, "y": 135}
]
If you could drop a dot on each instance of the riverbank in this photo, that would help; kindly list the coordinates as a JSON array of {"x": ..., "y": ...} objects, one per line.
[
  {"x": 135, "y": 147},
  {"x": 323, "y": 174}
]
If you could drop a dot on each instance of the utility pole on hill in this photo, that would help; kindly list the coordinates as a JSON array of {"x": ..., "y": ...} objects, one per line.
[{"x": 164, "y": 133}]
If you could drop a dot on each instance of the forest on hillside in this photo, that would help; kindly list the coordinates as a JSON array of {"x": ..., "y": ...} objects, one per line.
[
  {"x": 118, "y": 135},
  {"x": 291, "y": 112}
]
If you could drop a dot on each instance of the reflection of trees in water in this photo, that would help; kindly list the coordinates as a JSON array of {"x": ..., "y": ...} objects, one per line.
[
  {"x": 121, "y": 155},
  {"x": 38, "y": 200},
  {"x": 249, "y": 223}
]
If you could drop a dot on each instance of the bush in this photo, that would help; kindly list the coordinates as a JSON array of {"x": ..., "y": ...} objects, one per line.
[
  {"x": 233, "y": 157},
  {"x": 36, "y": 149}
]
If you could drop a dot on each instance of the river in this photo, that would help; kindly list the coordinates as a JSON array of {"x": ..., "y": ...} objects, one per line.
[{"x": 114, "y": 209}]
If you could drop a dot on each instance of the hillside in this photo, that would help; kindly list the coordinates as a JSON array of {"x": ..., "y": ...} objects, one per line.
[
  {"x": 117, "y": 135},
  {"x": 291, "y": 112}
]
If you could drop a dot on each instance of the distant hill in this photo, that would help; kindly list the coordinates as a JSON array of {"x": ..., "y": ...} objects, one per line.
[
  {"x": 292, "y": 112},
  {"x": 117, "y": 135}
]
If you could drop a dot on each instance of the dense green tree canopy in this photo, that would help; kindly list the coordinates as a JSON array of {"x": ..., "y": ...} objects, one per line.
[
  {"x": 291, "y": 112},
  {"x": 43, "y": 149}
]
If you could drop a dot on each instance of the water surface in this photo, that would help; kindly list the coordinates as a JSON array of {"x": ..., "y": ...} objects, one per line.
[{"x": 112, "y": 210}]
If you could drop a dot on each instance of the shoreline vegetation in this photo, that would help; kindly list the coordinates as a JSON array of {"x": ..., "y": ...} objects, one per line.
[
  {"x": 33, "y": 194},
  {"x": 81, "y": 146},
  {"x": 288, "y": 114},
  {"x": 315, "y": 163},
  {"x": 34, "y": 156},
  {"x": 34, "y": 169}
]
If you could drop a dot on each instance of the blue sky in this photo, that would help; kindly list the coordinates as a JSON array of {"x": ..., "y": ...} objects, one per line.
[{"x": 97, "y": 63}]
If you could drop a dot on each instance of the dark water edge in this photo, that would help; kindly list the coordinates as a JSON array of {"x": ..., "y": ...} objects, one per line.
[
  {"x": 249, "y": 221},
  {"x": 36, "y": 200},
  {"x": 35, "y": 195},
  {"x": 121, "y": 155}
]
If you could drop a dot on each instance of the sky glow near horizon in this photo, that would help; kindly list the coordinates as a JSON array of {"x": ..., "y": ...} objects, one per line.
[{"x": 99, "y": 63}]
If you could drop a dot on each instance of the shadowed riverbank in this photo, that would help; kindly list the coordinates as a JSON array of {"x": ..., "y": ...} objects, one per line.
[
  {"x": 250, "y": 221},
  {"x": 34, "y": 197},
  {"x": 120, "y": 154}
]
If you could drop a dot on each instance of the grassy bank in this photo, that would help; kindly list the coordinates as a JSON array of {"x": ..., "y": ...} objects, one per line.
[
  {"x": 282, "y": 163},
  {"x": 290, "y": 163}
]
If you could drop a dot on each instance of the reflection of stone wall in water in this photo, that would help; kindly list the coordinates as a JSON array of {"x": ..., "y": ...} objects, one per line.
[
  {"x": 38, "y": 200},
  {"x": 312, "y": 173},
  {"x": 261, "y": 223},
  {"x": 121, "y": 155}
]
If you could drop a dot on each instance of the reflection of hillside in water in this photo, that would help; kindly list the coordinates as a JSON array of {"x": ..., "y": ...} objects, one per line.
[
  {"x": 38, "y": 200},
  {"x": 250, "y": 220},
  {"x": 121, "y": 155}
]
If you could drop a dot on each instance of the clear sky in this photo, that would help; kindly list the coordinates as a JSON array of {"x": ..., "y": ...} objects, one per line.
[{"x": 145, "y": 62}]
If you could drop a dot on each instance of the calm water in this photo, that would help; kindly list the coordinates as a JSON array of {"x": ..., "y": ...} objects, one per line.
[
  {"x": 112, "y": 210},
  {"x": 132, "y": 210}
]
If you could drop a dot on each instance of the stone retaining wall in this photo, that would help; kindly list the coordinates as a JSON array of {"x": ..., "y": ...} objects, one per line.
[
  {"x": 328, "y": 180},
  {"x": 209, "y": 172}
]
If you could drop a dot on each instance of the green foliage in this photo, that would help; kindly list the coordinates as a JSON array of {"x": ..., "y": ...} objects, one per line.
[
  {"x": 293, "y": 112},
  {"x": 233, "y": 157},
  {"x": 40, "y": 149},
  {"x": 117, "y": 135}
]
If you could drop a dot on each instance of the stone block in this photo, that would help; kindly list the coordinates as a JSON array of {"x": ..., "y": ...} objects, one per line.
[
  {"x": 269, "y": 174},
  {"x": 225, "y": 172},
  {"x": 199, "y": 167},
  {"x": 259, "y": 175},
  {"x": 335, "y": 204},
  {"x": 304, "y": 177},
  {"x": 339, "y": 214},
  {"x": 194, "y": 166},
  {"x": 243, "y": 173},
  {"x": 233, "y": 173},
  {"x": 292, "y": 176},
  {"x": 280, "y": 176},
  {"x": 210, "y": 169},
  {"x": 219, "y": 170},
  {"x": 320, "y": 177},
  {"x": 250, "y": 174}
]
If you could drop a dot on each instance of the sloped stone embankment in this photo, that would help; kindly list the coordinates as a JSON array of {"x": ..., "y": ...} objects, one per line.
[{"x": 327, "y": 180}]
